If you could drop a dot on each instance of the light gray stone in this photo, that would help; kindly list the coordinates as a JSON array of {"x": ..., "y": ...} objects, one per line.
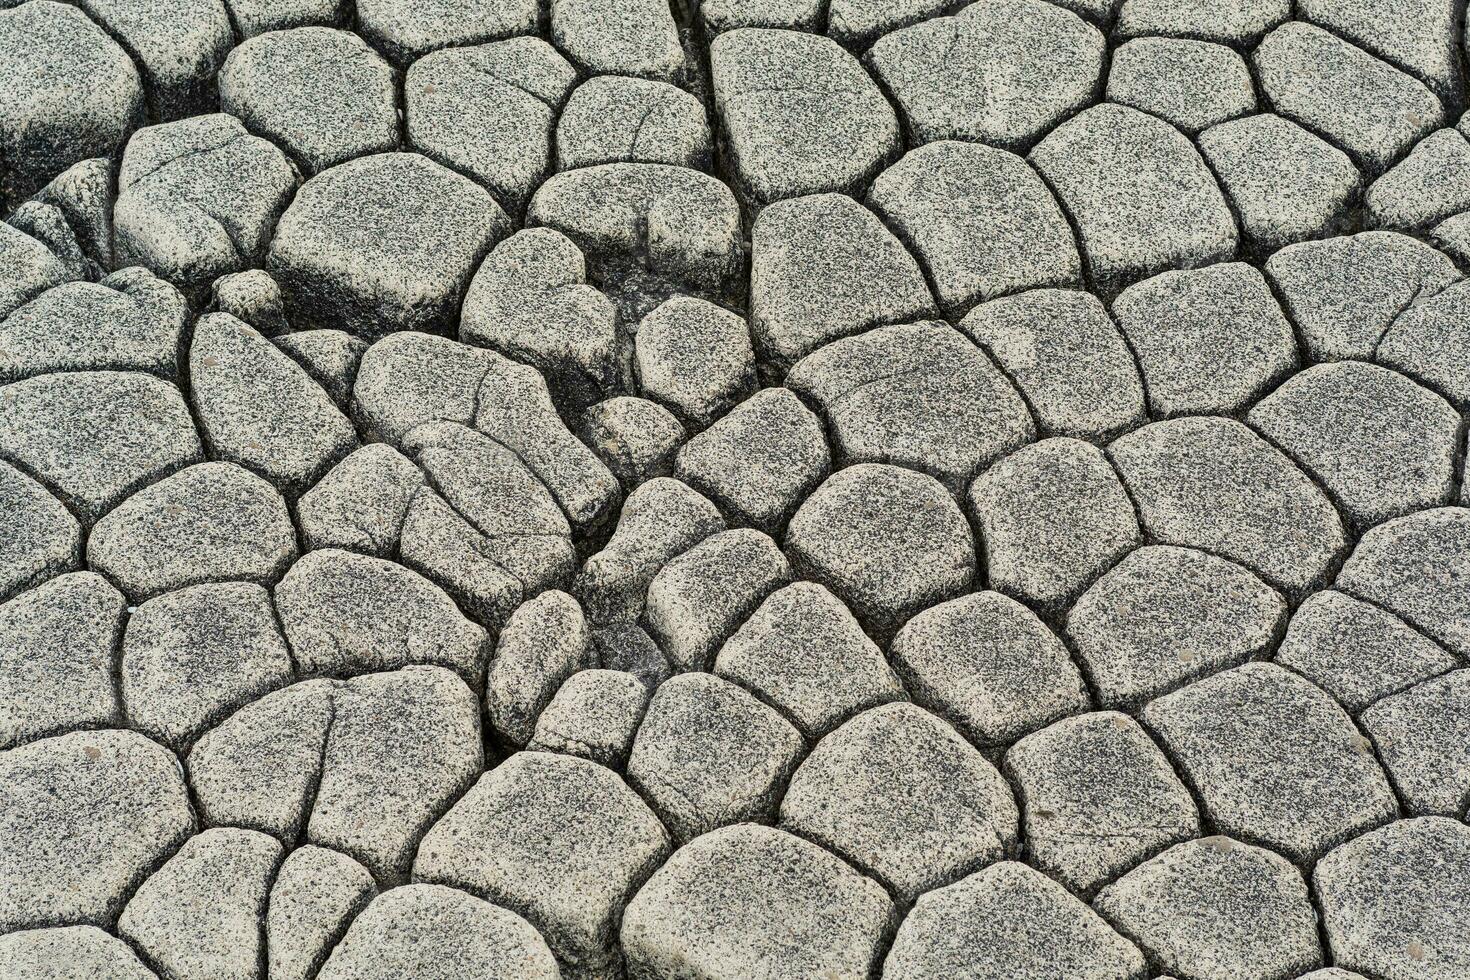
[
  {"x": 320, "y": 94},
  {"x": 1052, "y": 518},
  {"x": 1003, "y": 72},
  {"x": 199, "y": 198},
  {"x": 361, "y": 503},
  {"x": 1345, "y": 293},
  {"x": 212, "y": 522},
  {"x": 433, "y": 931},
  {"x": 1141, "y": 196},
  {"x": 47, "y": 225},
  {"x": 556, "y": 839},
  {"x": 382, "y": 243},
  {"x": 58, "y": 658},
  {"x": 178, "y": 47},
  {"x": 659, "y": 521},
  {"x": 75, "y": 94},
  {"x": 1427, "y": 341},
  {"x": 708, "y": 754},
  {"x": 897, "y": 792},
  {"x": 1380, "y": 444},
  {"x": 86, "y": 817},
  {"x": 1420, "y": 37},
  {"x": 988, "y": 666},
  {"x": 39, "y": 537},
  {"x": 615, "y": 119},
  {"x": 544, "y": 643},
  {"x": 858, "y": 532},
  {"x": 198, "y": 916},
  {"x": 1164, "y": 616},
  {"x": 858, "y": 23},
  {"x": 1429, "y": 185},
  {"x": 1066, "y": 356},
  {"x": 1216, "y": 908},
  {"x": 64, "y": 952},
  {"x": 979, "y": 219},
  {"x": 488, "y": 111},
  {"x": 1273, "y": 759},
  {"x": 1008, "y": 922},
  {"x": 93, "y": 437},
  {"x": 822, "y": 268},
  {"x": 635, "y": 438},
  {"x": 331, "y": 358},
  {"x": 1415, "y": 567},
  {"x": 1208, "y": 341},
  {"x": 83, "y": 195},
  {"x": 316, "y": 894},
  {"x": 695, "y": 358},
  {"x": 252, "y": 296},
  {"x": 1192, "y": 85},
  {"x": 255, "y": 17},
  {"x": 718, "y": 16},
  {"x": 1356, "y": 652},
  {"x": 1212, "y": 484},
  {"x": 408, "y": 33},
  {"x": 1098, "y": 797},
  {"x": 1394, "y": 904},
  {"x": 919, "y": 395},
  {"x": 1228, "y": 21},
  {"x": 753, "y": 901},
  {"x": 696, "y": 599},
  {"x": 803, "y": 652},
  {"x": 595, "y": 715},
  {"x": 1423, "y": 736},
  {"x": 1363, "y": 105},
  {"x": 620, "y": 37},
  {"x": 29, "y": 267},
  {"x": 799, "y": 114},
  {"x": 411, "y": 378},
  {"x": 258, "y": 408},
  {"x": 346, "y": 614}
]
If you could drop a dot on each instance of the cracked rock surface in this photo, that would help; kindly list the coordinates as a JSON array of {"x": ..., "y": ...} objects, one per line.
[{"x": 734, "y": 490}]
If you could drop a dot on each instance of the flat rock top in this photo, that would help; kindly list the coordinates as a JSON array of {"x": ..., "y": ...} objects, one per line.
[{"x": 734, "y": 490}]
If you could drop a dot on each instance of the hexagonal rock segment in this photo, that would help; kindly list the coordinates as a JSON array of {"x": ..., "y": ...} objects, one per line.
[
  {"x": 1164, "y": 616},
  {"x": 559, "y": 840},
  {"x": 1429, "y": 185},
  {"x": 39, "y": 537},
  {"x": 905, "y": 798},
  {"x": 1216, "y": 909},
  {"x": 1416, "y": 567},
  {"x": 1189, "y": 84},
  {"x": 430, "y": 930},
  {"x": 1228, "y": 21},
  {"x": 1141, "y": 196},
  {"x": 86, "y": 817},
  {"x": 751, "y": 901},
  {"x": 192, "y": 656},
  {"x": 613, "y": 119},
  {"x": 1001, "y": 72},
  {"x": 1008, "y": 923},
  {"x": 620, "y": 37},
  {"x": 822, "y": 268},
  {"x": 207, "y": 523},
  {"x": 199, "y": 198},
  {"x": 919, "y": 395},
  {"x": 859, "y": 532},
  {"x": 1208, "y": 341},
  {"x": 1274, "y": 759},
  {"x": 488, "y": 111},
  {"x": 320, "y": 94},
  {"x": 1363, "y": 105},
  {"x": 695, "y": 358},
  {"x": 316, "y": 894},
  {"x": 257, "y": 407},
  {"x": 68, "y": 951},
  {"x": 1423, "y": 735},
  {"x": 1098, "y": 797},
  {"x": 74, "y": 94},
  {"x": 708, "y": 754},
  {"x": 800, "y": 115},
  {"x": 1285, "y": 183},
  {"x": 1380, "y": 444},
  {"x": 980, "y": 220},
  {"x": 408, "y": 33},
  {"x": 58, "y": 657},
  {"x": 804, "y": 652},
  {"x": 382, "y": 243},
  {"x": 1356, "y": 652},
  {"x": 545, "y": 641},
  {"x": 96, "y": 436},
  {"x": 1052, "y": 518},
  {"x": 1345, "y": 293},
  {"x": 1395, "y": 903},
  {"x": 1066, "y": 356},
  {"x": 199, "y": 915},
  {"x": 986, "y": 664},
  {"x": 1427, "y": 342},
  {"x": 178, "y": 47},
  {"x": 1211, "y": 483}
]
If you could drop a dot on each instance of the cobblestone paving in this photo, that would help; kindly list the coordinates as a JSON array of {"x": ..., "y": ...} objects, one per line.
[{"x": 746, "y": 490}]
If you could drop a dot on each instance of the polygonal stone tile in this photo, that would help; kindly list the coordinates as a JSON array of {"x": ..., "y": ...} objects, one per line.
[
  {"x": 63, "y": 952},
  {"x": 1274, "y": 759},
  {"x": 595, "y": 714},
  {"x": 361, "y": 503},
  {"x": 39, "y": 537},
  {"x": 1427, "y": 341},
  {"x": 619, "y": 37},
  {"x": 177, "y": 46},
  {"x": 635, "y": 438},
  {"x": 1190, "y": 84},
  {"x": 545, "y": 641},
  {"x": 1228, "y": 21},
  {"x": 1421, "y": 37},
  {"x": 614, "y": 119},
  {"x": 408, "y": 33},
  {"x": 29, "y": 267},
  {"x": 331, "y": 358},
  {"x": 1429, "y": 185},
  {"x": 1423, "y": 736},
  {"x": 317, "y": 892},
  {"x": 695, "y": 358}
]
